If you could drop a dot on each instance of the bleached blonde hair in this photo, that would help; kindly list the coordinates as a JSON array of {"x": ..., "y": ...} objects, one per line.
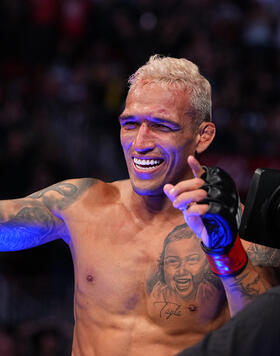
[{"x": 178, "y": 73}]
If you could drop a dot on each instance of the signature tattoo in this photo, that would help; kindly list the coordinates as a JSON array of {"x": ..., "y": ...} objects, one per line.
[{"x": 169, "y": 309}]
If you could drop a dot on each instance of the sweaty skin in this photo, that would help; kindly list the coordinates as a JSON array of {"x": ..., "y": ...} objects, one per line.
[{"x": 143, "y": 285}]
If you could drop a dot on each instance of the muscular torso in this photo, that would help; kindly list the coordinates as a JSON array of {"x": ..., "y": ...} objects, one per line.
[{"x": 141, "y": 287}]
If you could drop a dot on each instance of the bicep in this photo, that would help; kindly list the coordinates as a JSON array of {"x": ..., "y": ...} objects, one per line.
[
  {"x": 38, "y": 218},
  {"x": 266, "y": 260},
  {"x": 262, "y": 255},
  {"x": 27, "y": 225}
]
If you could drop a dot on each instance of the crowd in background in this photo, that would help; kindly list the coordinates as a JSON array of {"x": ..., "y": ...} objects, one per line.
[{"x": 64, "y": 66}]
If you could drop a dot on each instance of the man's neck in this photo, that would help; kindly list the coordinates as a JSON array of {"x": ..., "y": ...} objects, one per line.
[{"x": 150, "y": 207}]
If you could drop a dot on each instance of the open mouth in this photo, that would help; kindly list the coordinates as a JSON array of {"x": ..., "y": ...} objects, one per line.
[
  {"x": 147, "y": 164},
  {"x": 183, "y": 283}
]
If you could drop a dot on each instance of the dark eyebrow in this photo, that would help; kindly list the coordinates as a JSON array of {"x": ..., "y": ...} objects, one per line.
[
  {"x": 126, "y": 118},
  {"x": 153, "y": 119}
]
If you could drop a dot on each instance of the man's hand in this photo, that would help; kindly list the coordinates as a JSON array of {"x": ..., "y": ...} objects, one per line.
[
  {"x": 211, "y": 207},
  {"x": 185, "y": 196}
]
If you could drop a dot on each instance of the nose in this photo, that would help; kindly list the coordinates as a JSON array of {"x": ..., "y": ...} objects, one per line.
[
  {"x": 182, "y": 269},
  {"x": 143, "y": 141}
]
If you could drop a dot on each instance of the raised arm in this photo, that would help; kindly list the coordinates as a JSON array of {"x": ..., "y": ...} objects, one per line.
[
  {"x": 261, "y": 273},
  {"x": 214, "y": 222},
  {"x": 37, "y": 218}
]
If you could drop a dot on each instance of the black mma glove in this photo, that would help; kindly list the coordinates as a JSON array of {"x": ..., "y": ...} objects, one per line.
[{"x": 225, "y": 252}]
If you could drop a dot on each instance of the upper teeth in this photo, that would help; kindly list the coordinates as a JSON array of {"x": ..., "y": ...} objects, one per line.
[
  {"x": 146, "y": 162},
  {"x": 182, "y": 281}
]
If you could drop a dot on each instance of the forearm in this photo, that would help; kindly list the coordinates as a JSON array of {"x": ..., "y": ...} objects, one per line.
[
  {"x": 244, "y": 287},
  {"x": 258, "y": 276},
  {"x": 241, "y": 279}
]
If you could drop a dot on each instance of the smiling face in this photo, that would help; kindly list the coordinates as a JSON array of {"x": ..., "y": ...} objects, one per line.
[
  {"x": 184, "y": 264},
  {"x": 157, "y": 137}
]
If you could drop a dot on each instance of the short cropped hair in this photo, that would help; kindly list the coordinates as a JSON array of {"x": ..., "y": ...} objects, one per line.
[{"x": 182, "y": 74}]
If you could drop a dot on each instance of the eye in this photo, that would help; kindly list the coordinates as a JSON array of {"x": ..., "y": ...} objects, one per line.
[
  {"x": 161, "y": 127},
  {"x": 193, "y": 259},
  {"x": 129, "y": 125},
  {"x": 172, "y": 261}
]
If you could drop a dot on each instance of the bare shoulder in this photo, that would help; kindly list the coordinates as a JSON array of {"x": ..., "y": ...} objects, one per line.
[
  {"x": 123, "y": 186},
  {"x": 261, "y": 255},
  {"x": 61, "y": 195},
  {"x": 104, "y": 193}
]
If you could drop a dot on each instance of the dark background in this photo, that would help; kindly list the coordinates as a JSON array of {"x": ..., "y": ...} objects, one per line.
[{"x": 64, "y": 66}]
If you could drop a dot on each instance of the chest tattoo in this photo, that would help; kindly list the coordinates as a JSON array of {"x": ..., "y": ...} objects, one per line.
[{"x": 182, "y": 275}]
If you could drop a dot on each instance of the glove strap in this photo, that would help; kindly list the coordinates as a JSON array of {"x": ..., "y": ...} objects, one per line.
[{"x": 228, "y": 263}]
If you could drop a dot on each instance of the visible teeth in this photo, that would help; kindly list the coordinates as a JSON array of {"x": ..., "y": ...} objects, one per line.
[
  {"x": 182, "y": 281},
  {"x": 148, "y": 163}
]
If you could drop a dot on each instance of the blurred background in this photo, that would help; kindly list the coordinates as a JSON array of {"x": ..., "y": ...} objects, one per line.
[{"x": 64, "y": 66}]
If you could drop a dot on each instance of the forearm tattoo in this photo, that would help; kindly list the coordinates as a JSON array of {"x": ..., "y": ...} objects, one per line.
[
  {"x": 35, "y": 223},
  {"x": 247, "y": 286}
]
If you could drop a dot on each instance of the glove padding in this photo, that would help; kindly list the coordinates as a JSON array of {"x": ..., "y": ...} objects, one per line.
[{"x": 222, "y": 219}]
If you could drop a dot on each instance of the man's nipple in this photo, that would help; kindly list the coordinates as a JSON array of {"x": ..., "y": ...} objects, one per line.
[{"x": 90, "y": 278}]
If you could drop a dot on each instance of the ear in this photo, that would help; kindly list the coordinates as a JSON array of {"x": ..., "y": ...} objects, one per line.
[{"x": 205, "y": 135}]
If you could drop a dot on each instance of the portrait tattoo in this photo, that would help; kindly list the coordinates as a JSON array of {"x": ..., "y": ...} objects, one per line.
[{"x": 182, "y": 274}]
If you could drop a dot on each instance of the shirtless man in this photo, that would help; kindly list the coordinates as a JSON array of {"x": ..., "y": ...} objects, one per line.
[{"x": 118, "y": 232}]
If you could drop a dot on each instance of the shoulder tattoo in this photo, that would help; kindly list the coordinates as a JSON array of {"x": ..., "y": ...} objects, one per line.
[
  {"x": 34, "y": 223},
  {"x": 67, "y": 193}
]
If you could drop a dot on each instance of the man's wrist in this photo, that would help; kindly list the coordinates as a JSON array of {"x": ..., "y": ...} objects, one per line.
[{"x": 229, "y": 261}]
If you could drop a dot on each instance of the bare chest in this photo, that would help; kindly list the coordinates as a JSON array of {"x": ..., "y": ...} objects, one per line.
[{"x": 160, "y": 274}]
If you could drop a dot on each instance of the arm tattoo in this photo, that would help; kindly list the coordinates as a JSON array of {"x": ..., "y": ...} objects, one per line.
[
  {"x": 29, "y": 228},
  {"x": 68, "y": 193},
  {"x": 264, "y": 256},
  {"x": 249, "y": 289},
  {"x": 35, "y": 223}
]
